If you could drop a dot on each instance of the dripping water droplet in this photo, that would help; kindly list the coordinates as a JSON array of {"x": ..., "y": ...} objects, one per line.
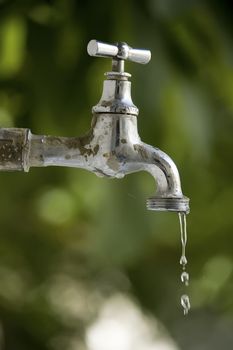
[
  {"x": 185, "y": 303},
  {"x": 185, "y": 278},
  {"x": 183, "y": 260}
]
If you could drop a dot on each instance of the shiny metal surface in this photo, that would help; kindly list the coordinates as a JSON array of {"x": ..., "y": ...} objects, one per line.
[
  {"x": 97, "y": 48},
  {"x": 112, "y": 147},
  {"x": 116, "y": 96},
  {"x": 121, "y": 51}
]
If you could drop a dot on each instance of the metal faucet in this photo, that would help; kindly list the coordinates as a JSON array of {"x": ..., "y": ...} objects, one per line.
[{"x": 112, "y": 148}]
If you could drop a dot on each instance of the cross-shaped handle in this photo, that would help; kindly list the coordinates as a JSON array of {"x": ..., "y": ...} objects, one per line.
[{"x": 118, "y": 52}]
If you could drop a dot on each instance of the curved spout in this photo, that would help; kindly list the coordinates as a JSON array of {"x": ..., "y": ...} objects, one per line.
[
  {"x": 168, "y": 195},
  {"x": 162, "y": 168}
]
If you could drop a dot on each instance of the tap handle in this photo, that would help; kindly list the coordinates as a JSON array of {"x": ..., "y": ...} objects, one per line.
[{"x": 120, "y": 51}]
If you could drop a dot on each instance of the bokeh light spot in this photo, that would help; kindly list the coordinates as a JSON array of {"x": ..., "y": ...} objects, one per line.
[{"x": 56, "y": 206}]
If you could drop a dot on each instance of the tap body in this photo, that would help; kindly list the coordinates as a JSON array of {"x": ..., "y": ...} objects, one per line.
[{"x": 112, "y": 148}]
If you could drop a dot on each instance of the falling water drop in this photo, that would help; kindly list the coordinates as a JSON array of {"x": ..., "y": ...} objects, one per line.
[
  {"x": 183, "y": 261},
  {"x": 185, "y": 303},
  {"x": 185, "y": 278}
]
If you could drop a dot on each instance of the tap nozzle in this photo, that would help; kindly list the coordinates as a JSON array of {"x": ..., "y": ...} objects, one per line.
[{"x": 180, "y": 205}]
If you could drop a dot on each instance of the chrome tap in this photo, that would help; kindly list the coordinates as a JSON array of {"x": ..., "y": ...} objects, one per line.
[{"x": 112, "y": 147}]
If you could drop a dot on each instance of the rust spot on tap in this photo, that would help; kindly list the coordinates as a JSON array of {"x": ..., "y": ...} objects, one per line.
[
  {"x": 141, "y": 150},
  {"x": 96, "y": 149}
]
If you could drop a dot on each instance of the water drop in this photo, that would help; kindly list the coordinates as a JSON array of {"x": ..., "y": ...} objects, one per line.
[
  {"x": 185, "y": 278},
  {"x": 183, "y": 260},
  {"x": 185, "y": 303}
]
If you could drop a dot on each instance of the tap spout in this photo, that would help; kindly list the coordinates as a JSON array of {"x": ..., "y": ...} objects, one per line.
[{"x": 168, "y": 195}]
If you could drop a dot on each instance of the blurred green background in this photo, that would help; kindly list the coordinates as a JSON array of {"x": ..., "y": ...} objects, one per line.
[{"x": 83, "y": 265}]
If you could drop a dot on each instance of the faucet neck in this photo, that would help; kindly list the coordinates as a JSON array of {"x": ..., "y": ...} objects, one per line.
[{"x": 116, "y": 95}]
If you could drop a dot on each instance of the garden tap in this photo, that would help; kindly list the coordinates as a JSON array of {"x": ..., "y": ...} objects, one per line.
[{"x": 112, "y": 148}]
